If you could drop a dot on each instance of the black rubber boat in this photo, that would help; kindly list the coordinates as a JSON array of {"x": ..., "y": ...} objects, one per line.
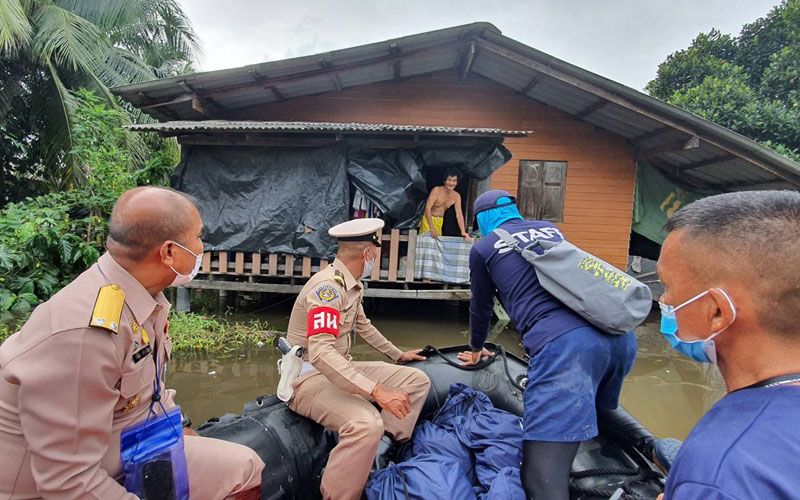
[{"x": 295, "y": 449}]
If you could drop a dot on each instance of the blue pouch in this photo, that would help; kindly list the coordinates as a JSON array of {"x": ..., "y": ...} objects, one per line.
[{"x": 153, "y": 459}]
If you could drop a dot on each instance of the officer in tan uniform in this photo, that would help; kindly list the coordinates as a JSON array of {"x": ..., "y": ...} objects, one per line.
[
  {"x": 338, "y": 392},
  {"x": 82, "y": 368}
]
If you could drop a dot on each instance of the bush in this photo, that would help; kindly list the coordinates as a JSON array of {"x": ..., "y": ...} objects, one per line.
[
  {"x": 190, "y": 331},
  {"x": 749, "y": 83},
  {"x": 48, "y": 240}
]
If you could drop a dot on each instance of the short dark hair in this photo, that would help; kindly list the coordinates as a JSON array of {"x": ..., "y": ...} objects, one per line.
[
  {"x": 759, "y": 231},
  {"x": 138, "y": 235},
  {"x": 452, "y": 172}
]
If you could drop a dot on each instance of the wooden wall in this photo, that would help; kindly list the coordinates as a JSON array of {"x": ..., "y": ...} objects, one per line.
[{"x": 600, "y": 165}]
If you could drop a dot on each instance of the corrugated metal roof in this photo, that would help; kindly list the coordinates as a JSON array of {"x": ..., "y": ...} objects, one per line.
[
  {"x": 630, "y": 114},
  {"x": 174, "y": 127}
]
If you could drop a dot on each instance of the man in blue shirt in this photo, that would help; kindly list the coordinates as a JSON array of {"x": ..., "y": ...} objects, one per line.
[
  {"x": 574, "y": 367},
  {"x": 731, "y": 270}
]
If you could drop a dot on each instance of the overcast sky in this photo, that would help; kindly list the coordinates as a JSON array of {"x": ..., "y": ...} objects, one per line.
[{"x": 623, "y": 40}]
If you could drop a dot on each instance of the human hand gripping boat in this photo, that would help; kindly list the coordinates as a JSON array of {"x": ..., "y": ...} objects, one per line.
[{"x": 615, "y": 464}]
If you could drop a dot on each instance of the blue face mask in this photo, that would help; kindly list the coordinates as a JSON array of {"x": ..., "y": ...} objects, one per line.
[
  {"x": 489, "y": 220},
  {"x": 703, "y": 350}
]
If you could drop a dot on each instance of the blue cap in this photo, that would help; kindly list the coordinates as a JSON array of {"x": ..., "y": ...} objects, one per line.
[{"x": 488, "y": 200}]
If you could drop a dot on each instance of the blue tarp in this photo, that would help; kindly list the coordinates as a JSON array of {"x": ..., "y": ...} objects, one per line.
[
  {"x": 468, "y": 438},
  {"x": 462, "y": 401},
  {"x": 420, "y": 478},
  {"x": 506, "y": 486},
  {"x": 495, "y": 436},
  {"x": 429, "y": 438}
]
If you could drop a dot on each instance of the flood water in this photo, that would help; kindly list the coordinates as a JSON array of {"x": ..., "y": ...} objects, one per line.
[{"x": 666, "y": 392}]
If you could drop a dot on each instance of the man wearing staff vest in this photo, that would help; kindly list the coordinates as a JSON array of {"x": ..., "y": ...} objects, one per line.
[{"x": 574, "y": 367}]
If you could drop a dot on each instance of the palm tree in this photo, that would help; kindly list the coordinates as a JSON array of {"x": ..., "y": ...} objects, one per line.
[{"x": 50, "y": 47}]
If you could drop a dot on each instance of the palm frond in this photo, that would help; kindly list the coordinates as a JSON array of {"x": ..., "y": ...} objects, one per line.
[
  {"x": 105, "y": 14},
  {"x": 72, "y": 172},
  {"x": 137, "y": 149},
  {"x": 162, "y": 33},
  {"x": 65, "y": 39},
  {"x": 121, "y": 67},
  {"x": 15, "y": 29}
]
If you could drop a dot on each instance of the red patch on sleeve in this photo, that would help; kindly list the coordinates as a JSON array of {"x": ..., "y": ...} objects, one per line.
[{"x": 323, "y": 320}]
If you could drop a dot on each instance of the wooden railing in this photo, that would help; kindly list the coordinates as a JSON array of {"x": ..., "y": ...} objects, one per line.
[{"x": 398, "y": 252}]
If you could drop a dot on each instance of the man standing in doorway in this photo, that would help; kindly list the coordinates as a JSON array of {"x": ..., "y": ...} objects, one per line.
[
  {"x": 731, "y": 270},
  {"x": 574, "y": 367},
  {"x": 338, "y": 392}
]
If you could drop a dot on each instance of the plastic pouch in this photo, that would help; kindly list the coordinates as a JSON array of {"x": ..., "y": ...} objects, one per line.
[{"x": 153, "y": 459}]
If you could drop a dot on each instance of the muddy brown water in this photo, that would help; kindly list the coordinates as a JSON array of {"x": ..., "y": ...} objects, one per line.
[{"x": 666, "y": 392}]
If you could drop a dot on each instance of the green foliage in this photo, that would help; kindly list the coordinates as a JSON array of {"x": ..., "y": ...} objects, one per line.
[
  {"x": 710, "y": 54},
  {"x": 190, "y": 331},
  {"x": 50, "y": 48},
  {"x": 750, "y": 84},
  {"x": 47, "y": 240},
  {"x": 5, "y": 332}
]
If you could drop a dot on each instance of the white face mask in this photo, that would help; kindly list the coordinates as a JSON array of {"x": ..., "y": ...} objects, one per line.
[
  {"x": 182, "y": 279},
  {"x": 367, "y": 266}
]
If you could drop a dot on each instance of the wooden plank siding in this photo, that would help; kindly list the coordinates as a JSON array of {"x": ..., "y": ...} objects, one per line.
[{"x": 600, "y": 165}]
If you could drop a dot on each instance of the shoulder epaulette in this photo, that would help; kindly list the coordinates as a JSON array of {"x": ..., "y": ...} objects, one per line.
[
  {"x": 107, "y": 310},
  {"x": 339, "y": 278}
]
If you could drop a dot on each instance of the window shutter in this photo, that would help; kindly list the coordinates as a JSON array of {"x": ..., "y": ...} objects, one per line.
[
  {"x": 529, "y": 188},
  {"x": 552, "y": 201}
]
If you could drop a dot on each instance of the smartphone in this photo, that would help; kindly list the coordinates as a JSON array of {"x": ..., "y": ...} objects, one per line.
[{"x": 157, "y": 480}]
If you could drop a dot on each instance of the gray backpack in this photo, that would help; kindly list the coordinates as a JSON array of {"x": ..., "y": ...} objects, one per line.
[{"x": 605, "y": 296}]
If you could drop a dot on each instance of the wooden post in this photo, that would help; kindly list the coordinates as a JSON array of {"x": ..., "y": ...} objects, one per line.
[
  {"x": 223, "y": 262},
  {"x": 288, "y": 268},
  {"x": 411, "y": 255},
  {"x": 394, "y": 246},
  {"x": 183, "y": 299},
  {"x": 255, "y": 267},
  {"x": 239, "y": 263},
  {"x": 223, "y": 302},
  {"x": 273, "y": 264},
  {"x": 206, "y": 267},
  {"x": 306, "y": 267}
]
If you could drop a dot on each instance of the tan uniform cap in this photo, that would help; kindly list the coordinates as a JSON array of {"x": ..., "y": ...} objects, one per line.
[{"x": 358, "y": 230}]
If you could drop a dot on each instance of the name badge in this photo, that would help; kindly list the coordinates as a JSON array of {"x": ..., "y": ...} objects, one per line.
[{"x": 138, "y": 355}]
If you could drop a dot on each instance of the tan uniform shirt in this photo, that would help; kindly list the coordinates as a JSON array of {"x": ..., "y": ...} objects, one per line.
[
  {"x": 67, "y": 389},
  {"x": 333, "y": 294}
]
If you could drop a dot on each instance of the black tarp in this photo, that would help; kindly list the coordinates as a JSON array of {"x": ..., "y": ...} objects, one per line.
[
  {"x": 262, "y": 199},
  {"x": 393, "y": 180},
  {"x": 284, "y": 200}
]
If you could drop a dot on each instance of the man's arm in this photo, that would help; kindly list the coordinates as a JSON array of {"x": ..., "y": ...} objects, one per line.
[
  {"x": 66, "y": 407},
  {"x": 460, "y": 217},
  {"x": 323, "y": 329},
  {"x": 481, "y": 303}
]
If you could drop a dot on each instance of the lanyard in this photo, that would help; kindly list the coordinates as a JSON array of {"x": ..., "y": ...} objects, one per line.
[{"x": 780, "y": 380}]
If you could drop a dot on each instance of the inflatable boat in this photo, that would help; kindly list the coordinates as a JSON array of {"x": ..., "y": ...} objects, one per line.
[{"x": 616, "y": 464}]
